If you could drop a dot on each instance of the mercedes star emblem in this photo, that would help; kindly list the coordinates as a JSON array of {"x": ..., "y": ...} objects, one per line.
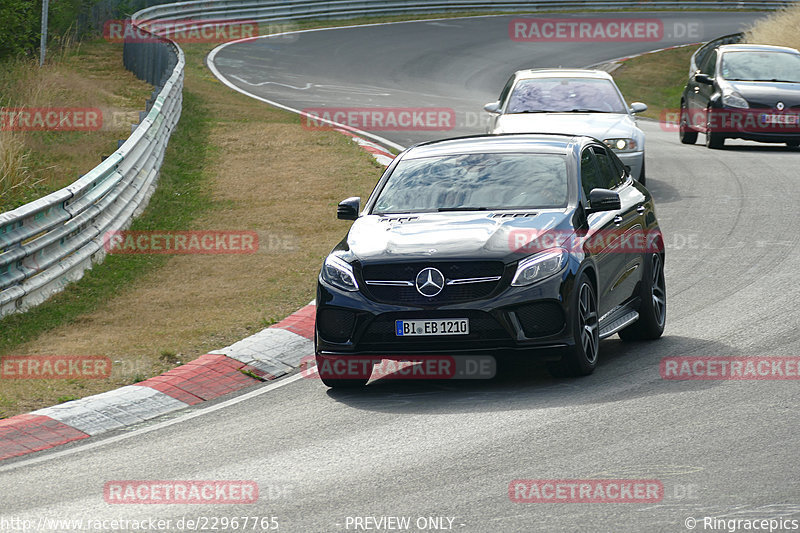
[{"x": 430, "y": 282}]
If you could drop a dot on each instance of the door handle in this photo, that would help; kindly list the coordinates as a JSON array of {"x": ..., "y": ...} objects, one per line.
[
  {"x": 617, "y": 220},
  {"x": 641, "y": 209}
]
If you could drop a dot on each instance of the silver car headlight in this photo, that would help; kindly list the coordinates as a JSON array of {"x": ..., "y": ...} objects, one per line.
[
  {"x": 731, "y": 98},
  {"x": 339, "y": 273},
  {"x": 540, "y": 266},
  {"x": 622, "y": 144}
]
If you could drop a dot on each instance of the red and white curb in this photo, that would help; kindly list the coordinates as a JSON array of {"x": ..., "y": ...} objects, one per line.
[
  {"x": 381, "y": 155},
  {"x": 267, "y": 355}
]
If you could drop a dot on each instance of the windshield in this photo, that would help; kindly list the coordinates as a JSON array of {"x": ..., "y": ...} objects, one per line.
[
  {"x": 475, "y": 181},
  {"x": 565, "y": 94},
  {"x": 761, "y": 66}
]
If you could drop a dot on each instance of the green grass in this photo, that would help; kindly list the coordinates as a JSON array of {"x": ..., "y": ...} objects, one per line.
[
  {"x": 180, "y": 197},
  {"x": 656, "y": 79}
]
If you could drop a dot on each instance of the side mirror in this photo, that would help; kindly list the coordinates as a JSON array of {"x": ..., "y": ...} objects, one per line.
[
  {"x": 638, "y": 107},
  {"x": 492, "y": 107},
  {"x": 703, "y": 78},
  {"x": 348, "y": 209},
  {"x": 603, "y": 200}
]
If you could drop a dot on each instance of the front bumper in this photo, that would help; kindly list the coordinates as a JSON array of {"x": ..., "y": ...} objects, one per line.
[
  {"x": 635, "y": 160},
  {"x": 532, "y": 319}
]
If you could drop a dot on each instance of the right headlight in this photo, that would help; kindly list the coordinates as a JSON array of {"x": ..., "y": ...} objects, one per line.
[
  {"x": 540, "y": 266},
  {"x": 339, "y": 273}
]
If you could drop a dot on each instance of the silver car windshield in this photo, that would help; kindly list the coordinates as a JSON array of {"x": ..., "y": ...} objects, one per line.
[
  {"x": 761, "y": 66},
  {"x": 475, "y": 182},
  {"x": 541, "y": 95}
]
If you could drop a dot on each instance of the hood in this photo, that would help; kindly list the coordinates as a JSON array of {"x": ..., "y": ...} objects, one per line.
[
  {"x": 442, "y": 236},
  {"x": 767, "y": 93},
  {"x": 598, "y": 125}
]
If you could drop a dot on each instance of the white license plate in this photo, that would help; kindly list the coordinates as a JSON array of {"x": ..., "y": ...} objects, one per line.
[
  {"x": 780, "y": 119},
  {"x": 421, "y": 328}
]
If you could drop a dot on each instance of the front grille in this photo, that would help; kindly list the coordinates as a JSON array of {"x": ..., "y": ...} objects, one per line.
[
  {"x": 540, "y": 319},
  {"x": 450, "y": 293},
  {"x": 336, "y": 325}
]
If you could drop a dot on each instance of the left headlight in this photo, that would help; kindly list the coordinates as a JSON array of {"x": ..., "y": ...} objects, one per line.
[
  {"x": 731, "y": 98},
  {"x": 622, "y": 144},
  {"x": 540, "y": 266},
  {"x": 339, "y": 273}
]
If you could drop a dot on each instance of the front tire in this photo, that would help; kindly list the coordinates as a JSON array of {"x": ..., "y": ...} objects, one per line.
[
  {"x": 714, "y": 140},
  {"x": 653, "y": 310},
  {"x": 685, "y": 132},
  {"x": 581, "y": 358}
]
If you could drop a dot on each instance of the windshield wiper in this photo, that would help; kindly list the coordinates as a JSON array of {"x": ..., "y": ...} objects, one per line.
[
  {"x": 584, "y": 110},
  {"x": 530, "y": 111},
  {"x": 463, "y": 208}
]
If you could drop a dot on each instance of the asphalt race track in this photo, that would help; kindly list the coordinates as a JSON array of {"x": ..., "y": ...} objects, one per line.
[{"x": 442, "y": 454}]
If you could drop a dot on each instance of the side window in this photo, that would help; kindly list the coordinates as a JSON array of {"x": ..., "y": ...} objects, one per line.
[
  {"x": 709, "y": 63},
  {"x": 610, "y": 176},
  {"x": 590, "y": 174},
  {"x": 506, "y": 90}
]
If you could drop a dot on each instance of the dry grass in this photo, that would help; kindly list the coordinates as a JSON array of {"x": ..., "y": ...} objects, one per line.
[
  {"x": 655, "y": 79},
  {"x": 781, "y": 28},
  {"x": 267, "y": 174},
  {"x": 90, "y": 75}
]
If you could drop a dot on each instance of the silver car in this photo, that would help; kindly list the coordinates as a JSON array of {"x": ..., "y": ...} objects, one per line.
[{"x": 571, "y": 101}]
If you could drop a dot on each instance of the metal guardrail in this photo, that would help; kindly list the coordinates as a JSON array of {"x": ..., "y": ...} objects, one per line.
[
  {"x": 49, "y": 242},
  {"x": 277, "y": 11}
]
